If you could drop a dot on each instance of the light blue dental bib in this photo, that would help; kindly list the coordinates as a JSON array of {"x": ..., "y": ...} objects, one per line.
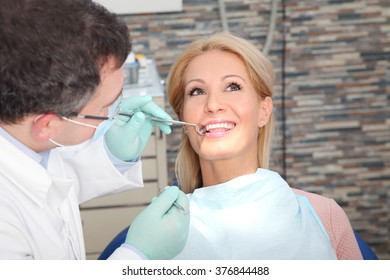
[{"x": 254, "y": 216}]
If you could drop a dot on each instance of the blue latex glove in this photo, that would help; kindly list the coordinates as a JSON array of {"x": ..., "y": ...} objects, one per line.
[
  {"x": 160, "y": 231},
  {"x": 127, "y": 137}
]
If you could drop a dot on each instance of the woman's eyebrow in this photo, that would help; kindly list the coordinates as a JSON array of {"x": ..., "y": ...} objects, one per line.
[
  {"x": 222, "y": 78},
  {"x": 193, "y": 80},
  {"x": 232, "y": 76}
]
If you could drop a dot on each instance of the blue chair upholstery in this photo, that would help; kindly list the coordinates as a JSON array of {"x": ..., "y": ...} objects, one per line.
[
  {"x": 117, "y": 241},
  {"x": 365, "y": 249},
  {"x": 120, "y": 238}
]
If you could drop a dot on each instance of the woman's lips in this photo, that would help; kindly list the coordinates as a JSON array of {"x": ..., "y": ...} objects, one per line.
[{"x": 217, "y": 127}]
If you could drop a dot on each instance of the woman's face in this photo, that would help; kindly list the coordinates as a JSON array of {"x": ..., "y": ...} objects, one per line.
[{"x": 220, "y": 96}]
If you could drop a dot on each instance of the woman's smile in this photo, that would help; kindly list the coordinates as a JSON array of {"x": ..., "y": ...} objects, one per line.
[{"x": 217, "y": 128}]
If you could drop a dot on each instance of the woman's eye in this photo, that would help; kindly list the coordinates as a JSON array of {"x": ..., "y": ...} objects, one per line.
[
  {"x": 233, "y": 87},
  {"x": 195, "y": 92}
]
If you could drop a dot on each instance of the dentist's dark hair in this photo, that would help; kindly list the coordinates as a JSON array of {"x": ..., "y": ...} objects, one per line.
[{"x": 51, "y": 54}]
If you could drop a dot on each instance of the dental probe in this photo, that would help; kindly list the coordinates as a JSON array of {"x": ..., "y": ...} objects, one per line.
[
  {"x": 197, "y": 127},
  {"x": 175, "y": 203},
  {"x": 180, "y": 207}
]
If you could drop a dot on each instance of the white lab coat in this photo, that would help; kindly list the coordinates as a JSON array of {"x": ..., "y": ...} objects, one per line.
[{"x": 39, "y": 208}]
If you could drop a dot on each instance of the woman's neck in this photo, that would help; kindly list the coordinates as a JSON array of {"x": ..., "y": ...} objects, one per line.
[{"x": 217, "y": 172}]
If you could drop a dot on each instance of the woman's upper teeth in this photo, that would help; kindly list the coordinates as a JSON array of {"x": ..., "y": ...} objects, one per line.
[{"x": 219, "y": 125}]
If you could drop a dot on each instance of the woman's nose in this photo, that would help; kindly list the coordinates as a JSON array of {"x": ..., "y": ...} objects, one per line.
[{"x": 214, "y": 103}]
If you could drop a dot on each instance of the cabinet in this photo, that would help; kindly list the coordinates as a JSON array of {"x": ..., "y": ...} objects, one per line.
[{"x": 104, "y": 217}]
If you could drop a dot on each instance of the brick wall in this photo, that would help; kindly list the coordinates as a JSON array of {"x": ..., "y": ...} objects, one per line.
[{"x": 332, "y": 60}]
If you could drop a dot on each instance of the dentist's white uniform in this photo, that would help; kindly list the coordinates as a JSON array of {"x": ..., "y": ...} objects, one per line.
[{"x": 39, "y": 208}]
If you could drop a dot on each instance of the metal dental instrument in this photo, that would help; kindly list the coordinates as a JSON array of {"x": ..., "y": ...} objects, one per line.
[
  {"x": 180, "y": 207},
  {"x": 176, "y": 204},
  {"x": 197, "y": 127}
]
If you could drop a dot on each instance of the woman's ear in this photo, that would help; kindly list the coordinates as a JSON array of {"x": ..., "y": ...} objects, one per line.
[
  {"x": 265, "y": 111},
  {"x": 45, "y": 126}
]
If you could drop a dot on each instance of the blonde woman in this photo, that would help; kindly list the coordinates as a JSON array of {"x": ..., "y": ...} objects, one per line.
[{"x": 240, "y": 209}]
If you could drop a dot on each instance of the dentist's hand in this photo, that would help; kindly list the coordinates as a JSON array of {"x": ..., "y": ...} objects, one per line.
[
  {"x": 127, "y": 137},
  {"x": 160, "y": 231}
]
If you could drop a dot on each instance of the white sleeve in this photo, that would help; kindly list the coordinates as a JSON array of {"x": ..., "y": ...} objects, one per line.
[
  {"x": 93, "y": 172},
  {"x": 126, "y": 252}
]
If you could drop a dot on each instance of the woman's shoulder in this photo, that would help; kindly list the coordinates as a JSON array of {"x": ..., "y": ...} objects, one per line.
[
  {"x": 318, "y": 202},
  {"x": 336, "y": 224},
  {"x": 326, "y": 208}
]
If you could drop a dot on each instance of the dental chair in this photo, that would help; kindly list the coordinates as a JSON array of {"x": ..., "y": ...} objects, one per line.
[
  {"x": 119, "y": 239},
  {"x": 365, "y": 249},
  {"x": 116, "y": 242}
]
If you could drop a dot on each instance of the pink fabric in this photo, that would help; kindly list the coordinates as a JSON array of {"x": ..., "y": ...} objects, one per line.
[{"x": 337, "y": 225}]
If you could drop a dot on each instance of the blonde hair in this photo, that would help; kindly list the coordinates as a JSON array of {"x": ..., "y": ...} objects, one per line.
[{"x": 187, "y": 167}]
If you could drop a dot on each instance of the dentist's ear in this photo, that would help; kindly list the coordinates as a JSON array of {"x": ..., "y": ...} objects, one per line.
[
  {"x": 45, "y": 126},
  {"x": 265, "y": 111}
]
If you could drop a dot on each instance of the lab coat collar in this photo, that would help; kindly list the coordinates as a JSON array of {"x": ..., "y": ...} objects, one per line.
[
  {"x": 20, "y": 146},
  {"x": 24, "y": 172}
]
